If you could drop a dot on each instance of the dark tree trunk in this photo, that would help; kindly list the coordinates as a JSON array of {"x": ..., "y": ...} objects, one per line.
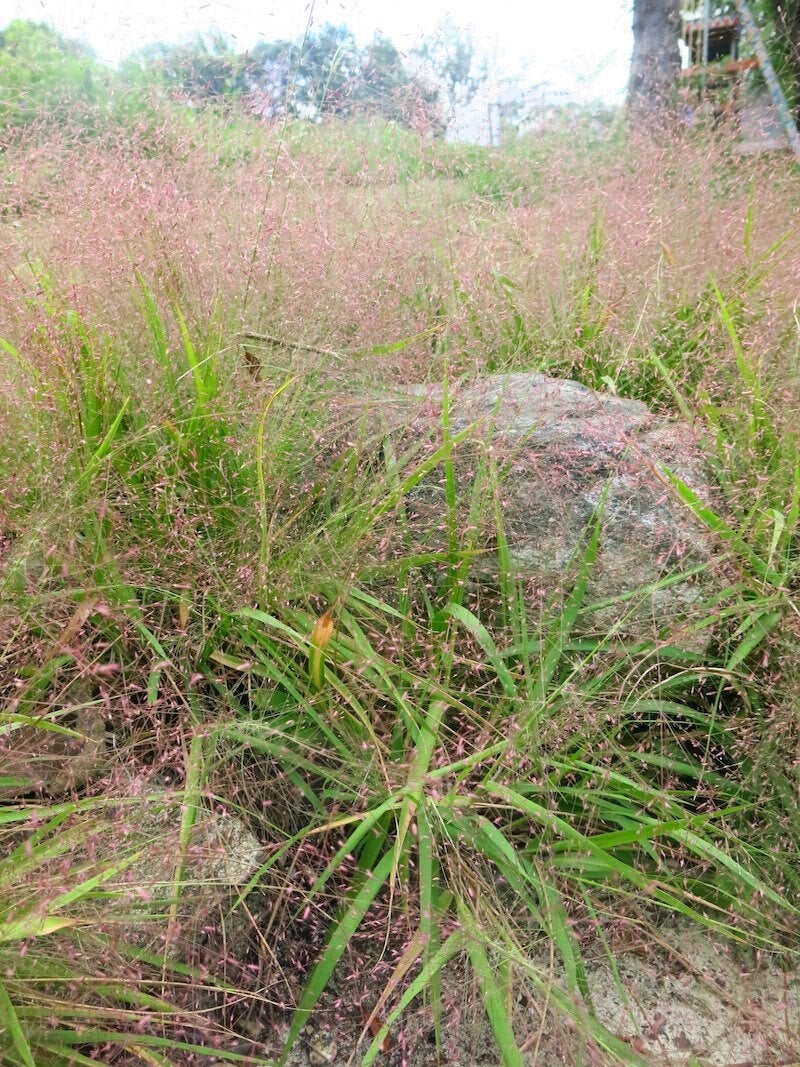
[{"x": 656, "y": 60}]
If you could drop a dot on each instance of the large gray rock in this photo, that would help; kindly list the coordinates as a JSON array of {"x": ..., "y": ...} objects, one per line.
[
  {"x": 561, "y": 450},
  {"x": 221, "y": 856}
]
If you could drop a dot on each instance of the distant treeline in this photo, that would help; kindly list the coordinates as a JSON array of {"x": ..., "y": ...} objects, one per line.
[{"x": 46, "y": 76}]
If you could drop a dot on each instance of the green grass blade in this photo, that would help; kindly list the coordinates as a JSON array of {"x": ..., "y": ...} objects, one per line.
[
  {"x": 719, "y": 526},
  {"x": 494, "y": 1002},
  {"x": 192, "y": 796},
  {"x": 202, "y": 374},
  {"x": 354, "y": 914},
  {"x": 262, "y": 481},
  {"x": 432, "y": 967},
  {"x": 13, "y": 1029},
  {"x": 475, "y": 627}
]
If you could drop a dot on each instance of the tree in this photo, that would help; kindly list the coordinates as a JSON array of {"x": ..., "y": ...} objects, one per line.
[
  {"x": 655, "y": 61},
  {"x": 202, "y": 69},
  {"x": 308, "y": 78},
  {"x": 452, "y": 57},
  {"x": 386, "y": 87},
  {"x": 43, "y": 74},
  {"x": 326, "y": 73},
  {"x": 269, "y": 76}
]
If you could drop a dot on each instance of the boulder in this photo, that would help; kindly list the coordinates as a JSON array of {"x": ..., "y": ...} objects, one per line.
[
  {"x": 565, "y": 454},
  {"x": 222, "y": 854}
]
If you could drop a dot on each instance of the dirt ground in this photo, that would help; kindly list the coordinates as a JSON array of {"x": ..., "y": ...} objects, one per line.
[{"x": 691, "y": 1002}]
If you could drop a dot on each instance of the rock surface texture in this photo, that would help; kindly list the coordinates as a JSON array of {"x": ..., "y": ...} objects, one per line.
[
  {"x": 563, "y": 453},
  {"x": 689, "y": 1001}
]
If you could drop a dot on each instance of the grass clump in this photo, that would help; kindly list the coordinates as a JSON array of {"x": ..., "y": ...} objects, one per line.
[{"x": 212, "y": 597}]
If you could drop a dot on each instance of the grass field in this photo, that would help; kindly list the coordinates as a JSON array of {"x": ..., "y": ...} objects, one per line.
[{"x": 210, "y": 598}]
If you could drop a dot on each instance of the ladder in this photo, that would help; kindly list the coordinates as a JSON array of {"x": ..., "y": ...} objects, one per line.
[{"x": 751, "y": 29}]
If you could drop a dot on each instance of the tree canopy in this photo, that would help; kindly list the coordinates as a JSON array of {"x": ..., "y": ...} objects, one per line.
[
  {"x": 323, "y": 73},
  {"x": 202, "y": 69},
  {"x": 452, "y": 56},
  {"x": 42, "y": 72},
  {"x": 45, "y": 75}
]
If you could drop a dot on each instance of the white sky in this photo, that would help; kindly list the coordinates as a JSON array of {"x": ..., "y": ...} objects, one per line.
[{"x": 580, "y": 48}]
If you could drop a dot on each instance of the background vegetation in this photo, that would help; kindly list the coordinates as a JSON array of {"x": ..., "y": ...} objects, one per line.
[{"x": 212, "y": 604}]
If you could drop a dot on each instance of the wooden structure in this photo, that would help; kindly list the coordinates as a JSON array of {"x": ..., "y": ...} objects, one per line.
[
  {"x": 712, "y": 45},
  {"x": 721, "y": 48}
]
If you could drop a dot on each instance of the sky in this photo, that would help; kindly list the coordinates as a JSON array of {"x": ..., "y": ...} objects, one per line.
[{"x": 576, "y": 49}]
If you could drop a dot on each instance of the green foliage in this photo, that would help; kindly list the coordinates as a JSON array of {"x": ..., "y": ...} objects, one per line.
[
  {"x": 73, "y": 979},
  {"x": 48, "y": 78},
  {"x": 387, "y": 88},
  {"x": 466, "y": 801},
  {"x": 779, "y": 20},
  {"x": 202, "y": 70},
  {"x": 215, "y": 545},
  {"x": 326, "y": 73},
  {"x": 44, "y": 75},
  {"x": 396, "y": 155}
]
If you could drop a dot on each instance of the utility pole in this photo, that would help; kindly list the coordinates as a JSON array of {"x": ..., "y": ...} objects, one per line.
[
  {"x": 706, "y": 35},
  {"x": 494, "y": 115}
]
